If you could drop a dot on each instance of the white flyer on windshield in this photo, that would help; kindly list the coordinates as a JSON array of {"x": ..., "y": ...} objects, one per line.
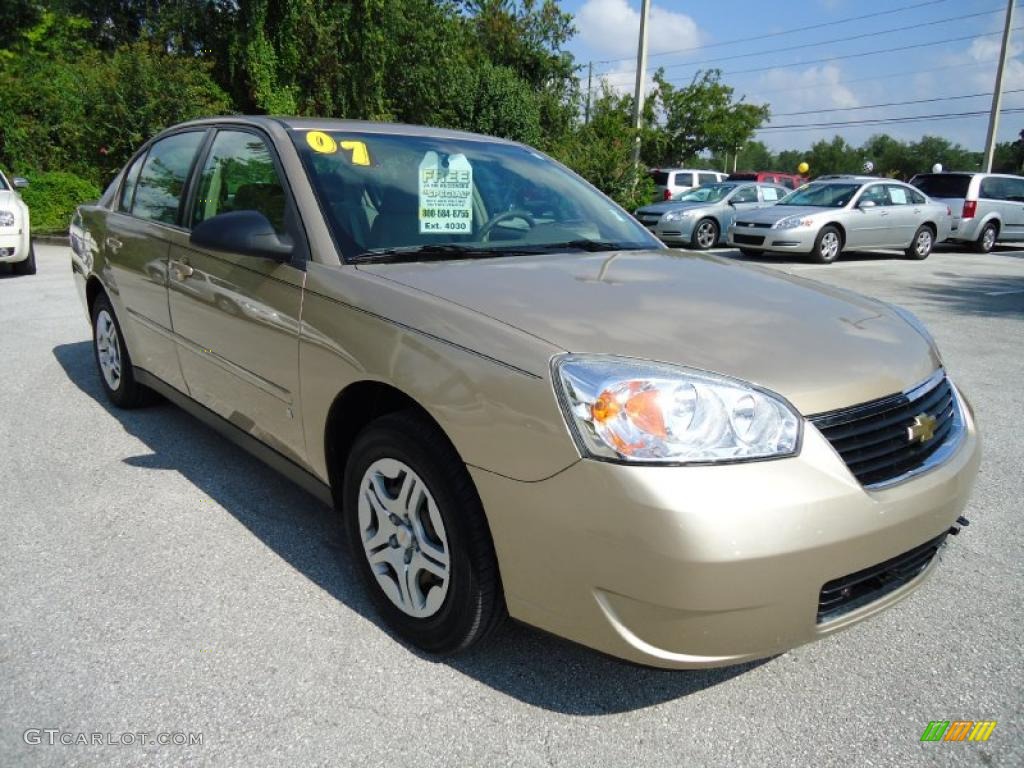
[{"x": 446, "y": 195}]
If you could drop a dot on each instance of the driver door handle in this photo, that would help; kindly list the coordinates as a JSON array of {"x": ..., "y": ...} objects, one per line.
[{"x": 113, "y": 244}]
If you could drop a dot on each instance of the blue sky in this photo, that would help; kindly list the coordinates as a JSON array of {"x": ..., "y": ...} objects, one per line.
[{"x": 607, "y": 32}]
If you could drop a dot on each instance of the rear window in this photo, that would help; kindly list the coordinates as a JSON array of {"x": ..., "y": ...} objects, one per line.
[
  {"x": 742, "y": 177},
  {"x": 943, "y": 184},
  {"x": 660, "y": 178}
]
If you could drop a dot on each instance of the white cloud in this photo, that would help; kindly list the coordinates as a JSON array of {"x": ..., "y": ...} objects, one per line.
[{"x": 610, "y": 28}]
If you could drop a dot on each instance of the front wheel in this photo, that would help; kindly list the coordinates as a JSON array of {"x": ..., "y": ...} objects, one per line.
[
  {"x": 418, "y": 535},
  {"x": 922, "y": 244},
  {"x": 705, "y": 234},
  {"x": 28, "y": 266},
  {"x": 827, "y": 246}
]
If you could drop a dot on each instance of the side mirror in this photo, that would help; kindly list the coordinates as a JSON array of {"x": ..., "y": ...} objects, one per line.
[
  {"x": 19, "y": 182},
  {"x": 246, "y": 232},
  {"x": 865, "y": 204}
]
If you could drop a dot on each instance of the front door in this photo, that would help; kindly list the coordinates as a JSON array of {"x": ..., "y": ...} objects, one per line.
[
  {"x": 236, "y": 317},
  {"x": 868, "y": 226}
]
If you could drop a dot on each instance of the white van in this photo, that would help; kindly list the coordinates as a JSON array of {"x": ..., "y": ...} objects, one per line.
[{"x": 672, "y": 182}]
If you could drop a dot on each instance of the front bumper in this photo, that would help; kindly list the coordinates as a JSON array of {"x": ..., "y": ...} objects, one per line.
[
  {"x": 12, "y": 246},
  {"x": 800, "y": 240},
  {"x": 685, "y": 567},
  {"x": 678, "y": 232}
]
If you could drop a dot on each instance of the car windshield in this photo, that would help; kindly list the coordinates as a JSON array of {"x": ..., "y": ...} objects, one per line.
[
  {"x": 392, "y": 197},
  {"x": 3, "y": 183},
  {"x": 821, "y": 195},
  {"x": 709, "y": 193}
]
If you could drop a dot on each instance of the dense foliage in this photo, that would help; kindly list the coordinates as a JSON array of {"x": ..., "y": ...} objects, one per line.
[
  {"x": 84, "y": 82},
  {"x": 51, "y": 197}
]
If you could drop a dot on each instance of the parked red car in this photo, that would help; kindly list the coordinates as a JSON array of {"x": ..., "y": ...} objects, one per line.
[{"x": 788, "y": 180}]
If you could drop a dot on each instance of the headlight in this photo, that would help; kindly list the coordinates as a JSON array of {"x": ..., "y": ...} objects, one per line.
[
  {"x": 677, "y": 215},
  {"x": 6, "y": 218},
  {"x": 634, "y": 411},
  {"x": 792, "y": 222}
]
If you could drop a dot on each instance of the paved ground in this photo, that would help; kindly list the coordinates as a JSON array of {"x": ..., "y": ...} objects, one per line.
[{"x": 155, "y": 578}]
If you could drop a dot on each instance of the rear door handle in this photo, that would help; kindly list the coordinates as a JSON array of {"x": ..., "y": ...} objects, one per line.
[{"x": 114, "y": 244}]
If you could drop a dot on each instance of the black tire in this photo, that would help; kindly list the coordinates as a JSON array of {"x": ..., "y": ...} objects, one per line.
[
  {"x": 986, "y": 238},
  {"x": 826, "y": 250},
  {"x": 921, "y": 246},
  {"x": 126, "y": 392},
  {"x": 710, "y": 236},
  {"x": 474, "y": 604},
  {"x": 28, "y": 266}
]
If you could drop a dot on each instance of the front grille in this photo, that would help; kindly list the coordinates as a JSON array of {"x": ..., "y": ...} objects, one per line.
[
  {"x": 881, "y": 440},
  {"x": 848, "y": 593},
  {"x": 753, "y": 224},
  {"x": 747, "y": 239}
]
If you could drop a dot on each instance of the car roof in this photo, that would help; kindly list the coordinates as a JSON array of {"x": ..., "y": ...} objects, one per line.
[
  {"x": 336, "y": 124},
  {"x": 684, "y": 170}
]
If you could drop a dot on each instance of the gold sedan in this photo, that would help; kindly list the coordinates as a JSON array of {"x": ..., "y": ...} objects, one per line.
[{"x": 520, "y": 403}]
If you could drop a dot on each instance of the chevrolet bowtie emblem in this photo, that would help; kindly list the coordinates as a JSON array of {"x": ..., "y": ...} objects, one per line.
[{"x": 923, "y": 428}]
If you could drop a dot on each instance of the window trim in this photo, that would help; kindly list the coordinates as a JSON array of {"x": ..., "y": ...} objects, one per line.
[
  {"x": 188, "y": 176},
  {"x": 301, "y": 251}
]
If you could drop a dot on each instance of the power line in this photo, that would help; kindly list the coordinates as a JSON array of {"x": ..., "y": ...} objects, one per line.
[
  {"x": 893, "y": 104},
  {"x": 793, "y": 31},
  {"x": 882, "y": 120},
  {"x": 848, "y": 38},
  {"x": 876, "y": 52}
]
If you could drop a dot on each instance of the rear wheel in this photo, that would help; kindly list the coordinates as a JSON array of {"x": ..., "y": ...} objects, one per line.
[
  {"x": 115, "y": 366},
  {"x": 418, "y": 535},
  {"x": 827, "y": 246},
  {"x": 705, "y": 234},
  {"x": 922, "y": 244},
  {"x": 28, "y": 266},
  {"x": 987, "y": 239}
]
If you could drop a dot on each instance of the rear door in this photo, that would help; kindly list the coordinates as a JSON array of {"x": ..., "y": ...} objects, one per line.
[
  {"x": 1005, "y": 194},
  {"x": 236, "y": 317},
  {"x": 904, "y": 215},
  {"x": 138, "y": 237}
]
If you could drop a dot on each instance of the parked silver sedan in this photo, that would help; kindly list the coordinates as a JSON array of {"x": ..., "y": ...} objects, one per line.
[
  {"x": 699, "y": 217},
  {"x": 825, "y": 217}
]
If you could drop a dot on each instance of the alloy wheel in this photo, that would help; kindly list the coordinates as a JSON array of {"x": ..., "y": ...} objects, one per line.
[
  {"x": 924, "y": 243},
  {"x": 108, "y": 349},
  {"x": 706, "y": 234},
  {"x": 829, "y": 247},
  {"x": 989, "y": 238},
  {"x": 404, "y": 538}
]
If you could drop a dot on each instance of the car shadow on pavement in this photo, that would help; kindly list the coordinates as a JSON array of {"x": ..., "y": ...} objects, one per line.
[
  {"x": 998, "y": 295},
  {"x": 530, "y": 665}
]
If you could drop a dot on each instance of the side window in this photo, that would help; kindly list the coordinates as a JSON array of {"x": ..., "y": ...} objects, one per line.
[
  {"x": 239, "y": 175},
  {"x": 769, "y": 194},
  {"x": 993, "y": 188},
  {"x": 162, "y": 181},
  {"x": 128, "y": 187},
  {"x": 876, "y": 194},
  {"x": 745, "y": 195},
  {"x": 1015, "y": 190},
  {"x": 915, "y": 197},
  {"x": 898, "y": 195},
  {"x": 707, "y": 178}
]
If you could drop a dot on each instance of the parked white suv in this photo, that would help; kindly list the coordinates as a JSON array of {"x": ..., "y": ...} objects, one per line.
[
  {"x": 986, "y": 206},
  {"x": 15, "y": 233},
  {"x": 670, "y": 183}
]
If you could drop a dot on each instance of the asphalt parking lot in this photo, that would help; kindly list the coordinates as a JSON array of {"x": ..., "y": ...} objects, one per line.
[{"x": 155, "y": 578}]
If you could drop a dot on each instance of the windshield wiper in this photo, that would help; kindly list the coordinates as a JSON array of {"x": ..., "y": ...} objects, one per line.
[
  {"x": 422, "y": 252},
  {"x": 587, "y": 245}
]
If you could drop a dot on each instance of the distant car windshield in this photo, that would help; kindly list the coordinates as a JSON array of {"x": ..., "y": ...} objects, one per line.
[
  {"x": 943, "y": 184},
  {"x": 392, "y": 196},
  {"x": 3, "y": 183},
  {"x": 821, "y": 195},
  {"x": 709, "y": 193}
]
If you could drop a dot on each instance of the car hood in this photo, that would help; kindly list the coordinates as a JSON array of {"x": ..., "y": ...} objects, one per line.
[
  {"x": 775, "y": 212},
  {"x": 671, "y": 205},
  {"x": 820, "y": 347}
]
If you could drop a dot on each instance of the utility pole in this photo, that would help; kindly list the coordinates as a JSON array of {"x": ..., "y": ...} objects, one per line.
[
  {"x": 641, "y": 76},
  {"x": 997, "y": 93},
  {"x": 590, "y": 90}
]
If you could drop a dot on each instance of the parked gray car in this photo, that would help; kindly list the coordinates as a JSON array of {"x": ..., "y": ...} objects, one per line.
[
  {"x": 823, "y": 218},
  {"x": 986, "y": 206},
  {"x": 699, "y": 217}
]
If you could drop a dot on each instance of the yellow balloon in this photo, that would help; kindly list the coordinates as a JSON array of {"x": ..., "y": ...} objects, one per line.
[{"x": 803, "y": 167}]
